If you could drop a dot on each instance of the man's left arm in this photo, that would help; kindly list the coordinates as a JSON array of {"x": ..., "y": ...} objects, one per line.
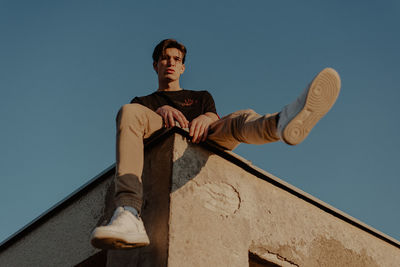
[{"x": 198, "y": 127}]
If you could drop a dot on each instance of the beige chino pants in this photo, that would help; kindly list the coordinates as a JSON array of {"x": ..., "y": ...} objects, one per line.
[{"x": 136, "y": 122}]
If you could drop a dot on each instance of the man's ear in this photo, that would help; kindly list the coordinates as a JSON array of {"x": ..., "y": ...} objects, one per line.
[
  {"x": 155, "y": 67},
  {"x": 183, "y": 69}
]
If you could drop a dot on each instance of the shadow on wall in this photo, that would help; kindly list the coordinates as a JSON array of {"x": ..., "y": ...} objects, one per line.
[
  {"x": 188, "y": 166},
  {"x": 256, "y": 261}
]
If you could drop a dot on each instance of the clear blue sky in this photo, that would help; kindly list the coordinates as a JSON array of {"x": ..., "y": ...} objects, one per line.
[{"x": 67, "y": 66}]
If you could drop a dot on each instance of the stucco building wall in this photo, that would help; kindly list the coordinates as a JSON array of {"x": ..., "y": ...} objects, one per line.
[{"x": 219, "y": 212}]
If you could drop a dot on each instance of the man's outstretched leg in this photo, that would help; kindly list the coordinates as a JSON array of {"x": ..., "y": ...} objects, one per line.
[
  {"x": 126, "y": 230},
  {"x": 291, "y": 125}
]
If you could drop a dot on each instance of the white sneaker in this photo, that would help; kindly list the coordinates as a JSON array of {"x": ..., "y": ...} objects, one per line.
[
  {"x": 125, "y": 230},
  {"x": 298, "y": 118}
]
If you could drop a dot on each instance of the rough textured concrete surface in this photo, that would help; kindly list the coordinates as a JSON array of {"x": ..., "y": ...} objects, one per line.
[
  {"x": 204, "y": 208},
  {"x": 219, "y": 213}
]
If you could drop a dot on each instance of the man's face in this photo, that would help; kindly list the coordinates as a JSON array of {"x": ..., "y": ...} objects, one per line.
[{"x": 170, "y": 66}]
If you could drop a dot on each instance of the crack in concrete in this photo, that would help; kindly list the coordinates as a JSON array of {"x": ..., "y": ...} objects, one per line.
[
  {"x": 281, "y": 258},
  {"x": 272, "y": 257},
  {"x": 238, "y": 194}
]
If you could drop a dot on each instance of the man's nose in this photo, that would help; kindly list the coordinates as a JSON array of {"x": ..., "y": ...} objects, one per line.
[{"x": 171, "y": 62}]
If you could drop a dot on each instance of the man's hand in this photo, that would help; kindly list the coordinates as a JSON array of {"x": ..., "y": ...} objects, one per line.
[
  {"x": 170, "y": 114},
  {"x": 198, "y": 128}
]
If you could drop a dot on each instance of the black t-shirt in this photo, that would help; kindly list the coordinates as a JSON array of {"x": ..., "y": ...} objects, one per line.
[{"x": 191, "y": 103}]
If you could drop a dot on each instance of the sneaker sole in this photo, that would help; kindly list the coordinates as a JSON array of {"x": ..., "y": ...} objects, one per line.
[
  {"x": 322, "y": 94},
  {"x": 113, "y": 243},
  {"x": 104, "y": 240}
]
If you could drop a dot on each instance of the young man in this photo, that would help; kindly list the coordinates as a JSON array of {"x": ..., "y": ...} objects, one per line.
[{"x": 195, "y": 110}]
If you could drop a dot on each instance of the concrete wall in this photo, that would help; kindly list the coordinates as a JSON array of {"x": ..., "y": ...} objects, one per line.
[
  {"x": 219, "y": 213},
  {"x": 205, "y": 207}
]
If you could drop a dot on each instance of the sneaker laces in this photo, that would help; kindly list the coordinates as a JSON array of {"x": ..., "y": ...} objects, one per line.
[
  {"x": 116, "y": 214},
  {"x": 124, "y": 218}
]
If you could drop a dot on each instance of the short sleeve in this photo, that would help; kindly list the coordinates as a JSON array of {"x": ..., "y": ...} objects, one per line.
[{"x": 209, "y": 104}]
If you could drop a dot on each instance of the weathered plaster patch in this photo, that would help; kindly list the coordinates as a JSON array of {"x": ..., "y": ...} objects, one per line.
[
  {"x": 220, "y": 197},
  {"x": 331, "y": 252}
]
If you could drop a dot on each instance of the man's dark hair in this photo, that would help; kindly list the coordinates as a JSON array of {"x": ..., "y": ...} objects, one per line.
[{"x": 159, "y": 50}]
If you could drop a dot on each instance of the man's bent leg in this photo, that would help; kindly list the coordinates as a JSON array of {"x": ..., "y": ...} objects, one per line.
[
  {"x": 134, "y": 123},
  {"x": 244, "y": 126},
  {"x": 126, "y": 230}
]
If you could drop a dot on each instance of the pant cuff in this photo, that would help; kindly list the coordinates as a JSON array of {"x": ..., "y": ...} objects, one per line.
[{"x": 129, "y": 201}]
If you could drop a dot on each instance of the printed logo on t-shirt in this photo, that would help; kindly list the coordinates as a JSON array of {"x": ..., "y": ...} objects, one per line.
[{"x": 188, "y": 102}]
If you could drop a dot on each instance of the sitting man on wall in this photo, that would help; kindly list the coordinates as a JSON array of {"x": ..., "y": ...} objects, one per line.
[{"x": 195, "y": 110}]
